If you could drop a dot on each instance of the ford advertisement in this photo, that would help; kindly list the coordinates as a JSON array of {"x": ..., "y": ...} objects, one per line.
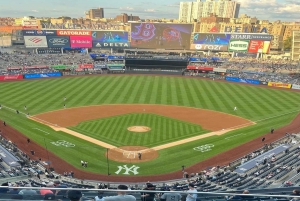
[
  {"x": 58, "y": 41},
  {"x": 42, "y": 75},
  {"x": 237, "y": 79}
]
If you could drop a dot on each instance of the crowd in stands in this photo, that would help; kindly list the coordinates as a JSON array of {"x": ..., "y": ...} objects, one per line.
[{"x": 264, "y": 175}]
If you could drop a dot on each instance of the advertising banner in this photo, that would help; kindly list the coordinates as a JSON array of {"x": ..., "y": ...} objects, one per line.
[
  {"x": 39, "y": 32},
  {"x": 111, "y": 45},
  {"x": 110, "y": 39},
  {"x": 244, "y": 54},
  {"x": 238, "y": 46},
  {"x": 29, "y": 24},
  {"x": 62, "y": 67},
  {"x": 281, "y": 85},
  {"x": 86, "y": 65},
  {"x": 49, "y": 50},
  {"x": 264, "y": 37},
  {"x": 100, "y": 66},
  {"x": 11, "y": 77},
  {"x": 296, "y": 86},
  {"x": 255, "y": 46},
  {"x": 217, "y": 48},
  {"x": 42, "y": 75},
  {"x": 161, "y": 35},
  {"x": 81, "y": 41},
  {"x": 266, "y": 47},
  {"x": 190, "y": 67},
  {"x": 211, "y": 38},
  {"x": 237, "y": 79},
  {"x": 220, "y": 70},
  {"x": 58, "y": 41},
  {"x": 73, "y": 33},
  {"x": 110, "y": 36},
  {"x": 35, "y": 41}
]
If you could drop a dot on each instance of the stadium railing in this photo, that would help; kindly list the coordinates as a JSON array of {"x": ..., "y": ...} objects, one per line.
[{"x": 91, "y": 194}]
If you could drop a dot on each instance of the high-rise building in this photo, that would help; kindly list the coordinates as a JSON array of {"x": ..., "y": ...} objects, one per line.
[
  {"x": 193, "y": 11},
  {"x": 95, "y": 13},
  {"x": 296, "y": 45}
]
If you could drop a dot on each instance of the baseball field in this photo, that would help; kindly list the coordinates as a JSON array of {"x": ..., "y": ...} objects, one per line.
[{"x": 172, "y": 121}]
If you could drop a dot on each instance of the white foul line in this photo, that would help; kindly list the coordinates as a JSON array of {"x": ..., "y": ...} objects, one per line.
[{"x": 41, "y": 131}]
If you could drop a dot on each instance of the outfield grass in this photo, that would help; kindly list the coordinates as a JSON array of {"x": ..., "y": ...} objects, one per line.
[
  {"x": 266, "y": 106},
  {"x": 113, "y": 130}
]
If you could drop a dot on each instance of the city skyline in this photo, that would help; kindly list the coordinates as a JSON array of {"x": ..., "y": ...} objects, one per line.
[{"x": 284, "y": 10}]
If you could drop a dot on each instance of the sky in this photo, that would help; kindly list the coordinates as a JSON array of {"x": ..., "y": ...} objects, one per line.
[{"x": 284, "y": 10}]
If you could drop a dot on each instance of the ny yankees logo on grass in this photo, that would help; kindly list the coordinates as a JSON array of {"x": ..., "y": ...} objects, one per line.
[
  {"x": 133, "y": 169},
  {"x": 204, "y": 148},
  {"x": 63, "y": 143}
]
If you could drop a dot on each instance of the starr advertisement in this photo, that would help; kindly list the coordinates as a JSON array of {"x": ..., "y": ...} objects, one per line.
[
  {"x": 238, "y": 46},
  {"x": 81, "y": 41},
  {"x": 35, "y": 41}
]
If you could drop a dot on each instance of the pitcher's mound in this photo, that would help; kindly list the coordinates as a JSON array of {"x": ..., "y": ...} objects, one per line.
[
  {"x": 130, "y": 154},
  {"x": 139, "y": 129}
]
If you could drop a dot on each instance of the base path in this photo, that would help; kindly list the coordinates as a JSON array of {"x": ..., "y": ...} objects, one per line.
[{"x": 206, "y": 118}]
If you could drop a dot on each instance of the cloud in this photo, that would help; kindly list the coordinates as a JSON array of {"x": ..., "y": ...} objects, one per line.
[
  {"x": 126, "y": 8},
  {"x": 150, "y": 11},
  {"x": 172, "y": 5},
  {"x": 35, "y": 11},
  {"x": 271, "y": 9}
]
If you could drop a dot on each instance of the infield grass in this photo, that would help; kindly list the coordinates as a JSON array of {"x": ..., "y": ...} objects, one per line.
[
  {"x": 113, "y": 130},
  {"x": 267, "y": 107}
]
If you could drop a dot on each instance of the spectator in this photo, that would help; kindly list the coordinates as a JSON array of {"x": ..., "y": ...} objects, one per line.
[
  {"x": 297, "y": 194},
  {"x": 74, "y": 195},
  {"x": 28, "y": 193},
  {"x": 192, "y": 196},
  {"x": 14, "y": 190},
  {"x": 121, "y": 195},
  {"x": 45, "y": 191},
  {"x": 148, "y": 196},
  {"x": 57, "y": 184},
  {"x": 4, "y": 190},
  {"x": 172, "y": 196}
]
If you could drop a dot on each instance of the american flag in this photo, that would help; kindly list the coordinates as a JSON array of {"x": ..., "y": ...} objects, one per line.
[{"x": 35, "y": 40}]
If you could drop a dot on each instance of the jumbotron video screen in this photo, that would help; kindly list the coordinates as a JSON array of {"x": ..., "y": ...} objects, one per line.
[{"x": 161, "y": 36}]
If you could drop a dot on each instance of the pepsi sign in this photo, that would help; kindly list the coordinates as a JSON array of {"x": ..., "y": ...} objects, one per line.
[{"x": 39, "y": 33}]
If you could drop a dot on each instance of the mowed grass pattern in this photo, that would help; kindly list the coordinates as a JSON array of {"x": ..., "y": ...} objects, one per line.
[
  {"x": 46, "y": 95},
  {"x": 268, "y": 107},
  {"x": 113, "y": 130}
]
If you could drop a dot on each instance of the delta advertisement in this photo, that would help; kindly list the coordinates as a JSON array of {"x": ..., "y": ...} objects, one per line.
[
  {"x": 58, "y": 41},
  {"x": 258, "y": 46},
  {"x": 35, "y": 41},
  {"x": 11, "y": 77},
  {"x": 110, "y": 39},
  {"x": 237, "y": 79},
  {"x": 278, "y": 84},
  {"x": 42, "y": 75},
  {"x": 238, "y": 45},
  {"x": 81, "y": 41},
  {"x": 161, "y": 35}
]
